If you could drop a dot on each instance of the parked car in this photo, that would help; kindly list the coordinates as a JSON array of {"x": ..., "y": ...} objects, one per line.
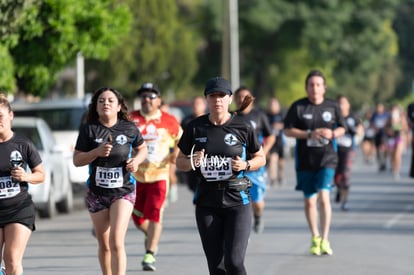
[
  {"x": 56, "y": 192},
  {"x": 64, "y": 116}
]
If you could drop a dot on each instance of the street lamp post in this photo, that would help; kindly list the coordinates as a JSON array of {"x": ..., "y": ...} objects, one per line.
[
  {"x": 230, "y": 67},
  {"x": 234, "y": 44}
]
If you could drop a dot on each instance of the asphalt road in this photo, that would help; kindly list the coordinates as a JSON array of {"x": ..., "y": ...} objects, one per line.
[{"x": 375, "y": 237}]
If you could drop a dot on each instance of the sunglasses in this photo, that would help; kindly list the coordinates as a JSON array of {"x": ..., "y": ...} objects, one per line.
[{"x": 150, "y": 96}]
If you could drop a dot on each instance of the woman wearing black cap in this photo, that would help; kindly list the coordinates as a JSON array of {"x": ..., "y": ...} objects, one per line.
[{"x": 215, "y": 145}]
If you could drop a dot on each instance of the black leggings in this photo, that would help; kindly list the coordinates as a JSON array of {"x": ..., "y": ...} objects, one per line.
[{"x": 224, "y": 233}]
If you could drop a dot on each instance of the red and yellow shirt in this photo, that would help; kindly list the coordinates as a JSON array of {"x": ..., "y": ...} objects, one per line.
[{"x": 160, "y": 131}]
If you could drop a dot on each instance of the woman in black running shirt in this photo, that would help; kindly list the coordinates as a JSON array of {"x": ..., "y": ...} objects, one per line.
[
  {"x": 17, "y": 212},
  {"x": 216, "y": 145},
  {"x": 113, "y": 148}
]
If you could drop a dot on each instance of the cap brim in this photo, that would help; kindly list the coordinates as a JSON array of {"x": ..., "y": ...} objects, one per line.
[
  {"x": 140, "y": 91},
  {"x": 217, "y": 90}
]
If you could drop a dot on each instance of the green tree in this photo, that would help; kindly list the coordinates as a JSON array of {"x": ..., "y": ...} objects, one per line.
[
  {"x": 49, "y": 33},
  {"x": 403, "y": 25},
  {"x": 159, "y": 48},
  {"x": 281, "y": 40},
  {"x": 13, "y": 14}
]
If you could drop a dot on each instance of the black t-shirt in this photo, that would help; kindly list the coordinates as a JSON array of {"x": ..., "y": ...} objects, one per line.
[
  {"x": 108, "y": 175},
  {"x": 187, "y": 120},
  {"x": 410, "y": 115},
  {"x": 347, "y": 141},
  {"x": 276, "y": 118},
  {"x": 221, "y": 143},
  {"x": 313, "y": 154},
  {"x": 12, "y": 194},
  {"x": 259, "y": 122}
]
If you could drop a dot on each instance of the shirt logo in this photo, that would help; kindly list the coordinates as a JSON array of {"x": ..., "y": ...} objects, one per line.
[
  {"x": 201, "y": 139},
  {"x": 16, "y": 158},
  {"x": 307, "y": 116},
  {"x": 150, "y": 132},
  {"x": 326, "y": 116},
  {"x": 351, "y": 121},
  {"x": 253, "y": 123},
  {"x": 121, "y": 139},
  {"x": 230, "y": 139}
]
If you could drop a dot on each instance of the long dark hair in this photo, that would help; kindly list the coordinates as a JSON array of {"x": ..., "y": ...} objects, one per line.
[
  {"x": 247, "y": 100},
  {"x": 93, "y": 114}
]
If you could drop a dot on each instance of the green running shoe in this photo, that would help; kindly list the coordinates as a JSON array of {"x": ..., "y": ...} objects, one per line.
[
  {"x": 326, "y": 247},
  {"x": 316, "y": 246},
  {"x": 148, "y": 263}
]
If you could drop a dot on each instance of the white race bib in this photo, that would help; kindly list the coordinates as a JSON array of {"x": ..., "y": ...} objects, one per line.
[
  {"x": 8, "y": 188},
  {"x": 370, "y": 133},
  {"x": 154, "y": 154},
  {"x": 109, "y": 177},
  {"x": 345, "y": 141},
  {"x": 313, "y": 142},
  {"x": 215, "y": 169}
]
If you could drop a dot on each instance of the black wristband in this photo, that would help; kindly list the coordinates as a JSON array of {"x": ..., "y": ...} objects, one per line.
[{"x": 247, "y": 165}]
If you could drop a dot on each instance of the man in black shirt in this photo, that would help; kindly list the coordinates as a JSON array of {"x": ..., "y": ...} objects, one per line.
[{"x": 315, "y": 122}]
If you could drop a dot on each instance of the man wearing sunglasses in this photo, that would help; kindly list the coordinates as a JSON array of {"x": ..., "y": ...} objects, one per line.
[{"x": 160, "y": 130}]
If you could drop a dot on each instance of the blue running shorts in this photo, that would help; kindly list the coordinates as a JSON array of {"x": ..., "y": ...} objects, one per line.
[
  {"x": 311, "y": 182},
  {"x": 258, "y": 189}
]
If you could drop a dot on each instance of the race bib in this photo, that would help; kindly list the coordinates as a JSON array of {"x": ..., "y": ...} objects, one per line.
[
  {"x": 155, "y": 155},
  {"x": 345, "y": 141},
  {"x": 215, "y": 169},
  {"x": 109, "y": 177},
  {"x": 8, "y": 188},
  {"x": 370, "y": 133},
  {"x": 313, "y": 142}
]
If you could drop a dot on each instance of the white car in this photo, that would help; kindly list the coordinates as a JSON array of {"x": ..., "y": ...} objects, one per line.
[
  {"x": 56, "y": 192},
  {"x": 64, "y": 117}
]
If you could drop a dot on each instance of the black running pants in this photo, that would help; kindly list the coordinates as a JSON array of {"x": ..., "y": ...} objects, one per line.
[{"x": 224, "y": 234}]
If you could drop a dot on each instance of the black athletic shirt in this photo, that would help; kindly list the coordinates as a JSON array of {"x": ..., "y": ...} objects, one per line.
[
  {"x": 108, "y": 175},
  {"x": 260, "y": 123},
  {"x": 221, "y": 143},
  {"x": 15, "y": 195},
  {"x": 276, "y": 118},
  {"x": 313, "y": 154},
  {"x": 347, "y": 141}
]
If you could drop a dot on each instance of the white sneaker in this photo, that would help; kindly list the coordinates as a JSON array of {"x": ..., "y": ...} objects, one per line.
[{"x": 173, "y": 193}]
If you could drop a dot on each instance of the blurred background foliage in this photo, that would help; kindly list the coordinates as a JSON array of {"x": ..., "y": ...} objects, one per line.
[{"x": 364, "y": 47}]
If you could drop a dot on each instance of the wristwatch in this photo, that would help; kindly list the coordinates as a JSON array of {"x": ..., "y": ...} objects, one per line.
[
  {"x": 247, "y": 165},
  {"x": 309, "y": 133}
]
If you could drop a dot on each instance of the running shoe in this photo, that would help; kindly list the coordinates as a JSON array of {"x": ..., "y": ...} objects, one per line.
[
  {"x": 258, "y": 226},
  {"x": 3, "y": 270},
  {"x": 326, "y": 248},
  {"x": 173, "y": 194},
  {"x": 148, "y": 263},
  {"x": 315, "y": 248}
]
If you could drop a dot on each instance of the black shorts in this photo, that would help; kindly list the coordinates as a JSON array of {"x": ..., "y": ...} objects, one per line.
[
  {"x": 278, "y": 148},
  {"x": 25, "y": 214}
]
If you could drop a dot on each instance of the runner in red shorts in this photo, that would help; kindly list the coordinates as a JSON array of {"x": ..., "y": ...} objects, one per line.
[{"x": 159, "y": 130}]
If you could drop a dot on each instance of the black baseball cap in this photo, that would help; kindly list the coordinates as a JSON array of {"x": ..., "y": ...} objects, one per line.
[
  {"x": 217, "y": 84},
  {"x": 148, "y": 86}
]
